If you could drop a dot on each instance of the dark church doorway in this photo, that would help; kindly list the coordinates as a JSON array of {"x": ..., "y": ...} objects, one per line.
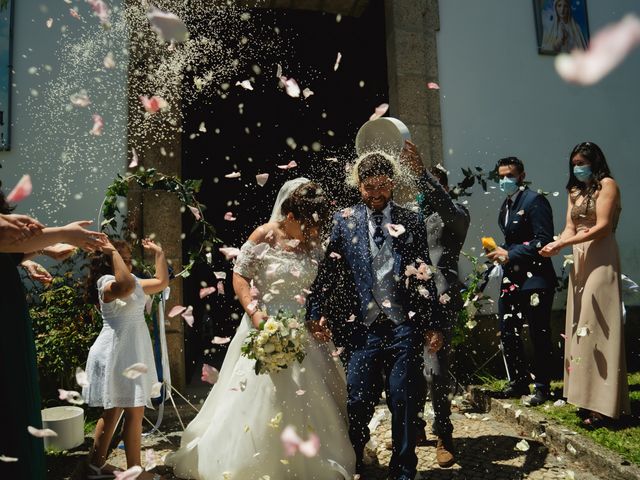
[{"x": 255, "y": 131}]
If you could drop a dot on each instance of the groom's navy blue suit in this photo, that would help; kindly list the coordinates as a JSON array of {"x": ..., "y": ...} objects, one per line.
[{"x": 388, "y": 332}]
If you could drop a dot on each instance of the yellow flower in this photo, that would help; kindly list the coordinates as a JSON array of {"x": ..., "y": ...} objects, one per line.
[{"x": 489, "y": 244}]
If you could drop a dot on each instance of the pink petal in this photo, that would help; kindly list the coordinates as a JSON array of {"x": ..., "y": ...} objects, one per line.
[
  {"x": 168, "y": 26},
  {"x": 300, "y": 299},
  {"x": 98, "y": 125},
  {"x": 335, "y": 255},
  {"x": 233, "y": 175},
  {"x": 229, "y": 217},
  {"x": 307, "y": 92},
  {"x": 433, "y": 86},
  {"x": 262, "y": 178},
  {"x": 74, "y": 13},
  {"x": 300, "y": 392},
  {"x": 129, "y": 474},
  {"x": 246, "y": 84},
  {"x": 205, "y": 292},
  {"x": 220, "y": 275},
  {"x": 288, "y": 166},
  {"x": 209, "y": 374},
  {"x": 290, "y": 441},
  {"x": 108, "y": 61},
  {"x": 444, "y": 299},
  {"x": 395, "y": 230},
  {"x": 196, "y": 212},
  {"x": 151, "y": 459},
  {"x": 295, "y": 271},
  {"x": 337, "y": 352},
  {"x": 134, "y": 371},
  {"x": 101, "y": 10},
  {"x": 607, "y": 49},
  {"x": 220, "y": 340},
  {"x": 134, "y": 158},
  {"x": 70, "y": 396},
  {"x": 188, "y": 315},
  {"x": 291, "y": 87},
  {"x": 229, "y": 252},
  {"x": 153, "y": 104},
  {"x": 81, "y": 377},
  {"x": 21, "y": 191},
  {"x": 220, "y": 286},
  {"x": 352, "y": 318},
  {"x": 311, "y": 447},
  {"x": 386, "y": 304},
  {"x": 380, "y": 111},
  {"x": 337, "y": 64},
  {"x": 41, "y": 433},
  {"x": 80, "y": 100},
  {"x": 177, "y": 310}
]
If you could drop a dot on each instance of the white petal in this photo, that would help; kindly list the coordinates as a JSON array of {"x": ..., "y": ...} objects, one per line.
[
  {"x": 134, "y": 371},
  {"x": 41, "y": 433}
]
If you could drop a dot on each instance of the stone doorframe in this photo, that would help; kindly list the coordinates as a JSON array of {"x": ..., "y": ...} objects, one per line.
[{"x": 412, "y": 62}]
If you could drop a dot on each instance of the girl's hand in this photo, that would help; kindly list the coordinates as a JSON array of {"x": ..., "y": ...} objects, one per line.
[
  {"x": 107, "y": 248},
  {"x": 148, "y": 244}
]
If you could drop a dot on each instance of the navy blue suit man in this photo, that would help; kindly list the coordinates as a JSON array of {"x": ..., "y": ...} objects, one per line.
[
  {"x": 528, "y": 283},
  {"x": 393, "y": 311}
]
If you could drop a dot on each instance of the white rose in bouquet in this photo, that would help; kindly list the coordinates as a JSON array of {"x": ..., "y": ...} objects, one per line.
[{"x": 276, "y": 343}]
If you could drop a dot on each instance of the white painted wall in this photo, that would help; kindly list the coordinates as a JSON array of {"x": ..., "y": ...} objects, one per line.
[
  {"x": 500, "y": 98},
  {"x": 70, "y": 169}
]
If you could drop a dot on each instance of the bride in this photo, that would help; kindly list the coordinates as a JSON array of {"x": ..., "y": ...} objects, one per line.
[{"x": 236, "y": 435}]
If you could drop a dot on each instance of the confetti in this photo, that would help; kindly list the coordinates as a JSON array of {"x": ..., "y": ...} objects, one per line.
[
  {"x": 233, "y": 175},
  {"x": 292, "y": 443},
  {"x": 534, "y": 300},
  {"x": 395, "y": 230},
  {"x": 291, "y": 87},
  {"x": 337, "y": 64},
  {"x": 195, "y": 211},
  {"x": 288, "y": 166},
  {"x": 168, "y": 26},
  {"x": 522, "y": 445},
  {"x": 153, "y": 104},
  {"x": 21, "y": 191},
  {"x": 607, "y": 49},
  {"x": 220, "y": 340},
  {"x": 98, "y": 125},
  {"x": 134, "y": 371},
  {"x": 41, "y": 433},
  {"x": 380, "y": 111},
  {"x": 229, "y": 217},
  {"x": 307, "y": 92},
  {"x": 209, "y": 374},
  {"x": 81, "y": 377},
  {"x": 70, "y": 396},
  {"x": 262, "y": 178},
  {"x": 128, "y": 474},
  {"x": 134, "y": 158},
  {"x": 205, "y": 292},
  {"x": 433, "y": 86},
  {"x": 246, "y": 84}
]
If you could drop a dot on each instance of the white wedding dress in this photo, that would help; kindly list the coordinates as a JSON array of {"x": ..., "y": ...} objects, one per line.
[{"x": 236, "y": 435}]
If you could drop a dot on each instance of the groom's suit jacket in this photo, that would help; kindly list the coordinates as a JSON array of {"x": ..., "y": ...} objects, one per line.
[
  {"x": 529, "y": 227},
  {"x": 345, "y": 278}
]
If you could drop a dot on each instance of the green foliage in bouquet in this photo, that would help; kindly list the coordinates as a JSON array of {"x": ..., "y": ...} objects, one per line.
[
  {"x": 473, "y": 300},
  {"x": 276, "y": 343}
]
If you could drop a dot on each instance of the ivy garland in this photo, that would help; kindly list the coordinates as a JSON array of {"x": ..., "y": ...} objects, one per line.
[{"x": 151, "y": 180}]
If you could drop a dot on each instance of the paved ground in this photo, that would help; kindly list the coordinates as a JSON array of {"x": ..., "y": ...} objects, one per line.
[{"x": 486, "y": 449}]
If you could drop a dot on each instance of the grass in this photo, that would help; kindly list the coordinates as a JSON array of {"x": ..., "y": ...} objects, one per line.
[{"x": 623, "y": 437}]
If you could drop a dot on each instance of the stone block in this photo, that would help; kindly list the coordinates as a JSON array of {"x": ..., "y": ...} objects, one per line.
[
  {"x": 412, "y": 99},
  {"x": 407, "y": 14},
  {"x": 410, "y": 52}
]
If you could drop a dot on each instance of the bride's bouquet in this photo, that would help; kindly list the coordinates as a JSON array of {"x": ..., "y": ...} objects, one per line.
[{"x": 277, "y": 343}]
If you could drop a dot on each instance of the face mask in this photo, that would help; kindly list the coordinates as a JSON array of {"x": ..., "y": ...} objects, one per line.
[
  {"x": 582, "y": 172},
  {"x": 509, "y": 185}
]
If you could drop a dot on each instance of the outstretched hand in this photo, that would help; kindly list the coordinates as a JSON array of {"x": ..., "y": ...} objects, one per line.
[
  {"x": 410, "y": 158},
  {"x": 83, "y": 238},
  {"x": 14, "y": 228},
  {"x": 320, "y": 330},
  {"x": 37, "y": 272},
  {"x": 149, "y": 244}
]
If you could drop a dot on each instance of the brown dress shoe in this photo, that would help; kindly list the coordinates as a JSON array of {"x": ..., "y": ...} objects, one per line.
[{"x": 444, "y": 452}]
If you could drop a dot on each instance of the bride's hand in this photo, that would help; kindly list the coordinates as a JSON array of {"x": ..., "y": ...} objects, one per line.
[
  {"x": 319, "y": 330},
  {"x": 258, "y": 317}
]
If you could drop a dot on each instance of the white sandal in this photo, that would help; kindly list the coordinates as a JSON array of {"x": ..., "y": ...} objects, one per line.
[{"x": 96, "y": 473}]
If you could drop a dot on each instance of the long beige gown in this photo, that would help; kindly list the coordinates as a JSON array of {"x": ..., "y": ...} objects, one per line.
[{"x": 595, "y": 373}]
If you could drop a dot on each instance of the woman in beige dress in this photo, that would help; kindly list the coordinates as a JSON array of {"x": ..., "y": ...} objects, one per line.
[{"x": 595, "y": 369}]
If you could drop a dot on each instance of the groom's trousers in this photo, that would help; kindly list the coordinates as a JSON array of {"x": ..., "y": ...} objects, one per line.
[{"x": 395, "y": 351}]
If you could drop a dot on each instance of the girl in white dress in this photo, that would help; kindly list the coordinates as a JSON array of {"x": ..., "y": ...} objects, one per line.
[
  {"x": 123, "y": 341},
  {"x": 236, "y": 435}
]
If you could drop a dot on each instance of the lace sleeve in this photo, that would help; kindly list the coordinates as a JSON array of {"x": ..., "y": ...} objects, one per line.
[{"x": 249, "y": 261}]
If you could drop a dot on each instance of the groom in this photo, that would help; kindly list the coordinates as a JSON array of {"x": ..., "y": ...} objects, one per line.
[{"x": 380, "y": 247}]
